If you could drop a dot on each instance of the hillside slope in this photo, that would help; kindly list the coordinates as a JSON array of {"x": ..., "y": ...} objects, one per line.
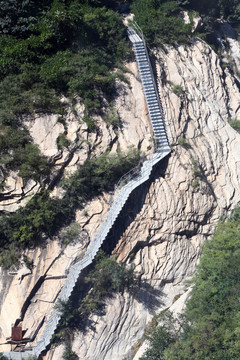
[
  {"x": 165, "y": 221},
  {"x": 199, "y": 183}
]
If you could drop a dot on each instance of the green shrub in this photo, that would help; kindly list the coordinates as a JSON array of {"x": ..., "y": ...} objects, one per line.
[
  {"x": 90, "y": 122},
  {"x": 235, "y": 124},
  {"x": 62, "y": 141},
  {"x": 108, "y": 276},
  {"x": 10, "y": 256},
  {"x": 178, "y": 90},
  {"x": 2, "y": 357},
  {"x": 197, "y": 175},
  {"x": 160, "y": 22},
  {"x": 195, "y": 182},
  {"x": 112, "y": 117},
  {"x": 182, "y": 142},
  {"x": 160, "y": 337},
  {"x": 71, "y": 233},
  {"x": 68, "y": 354}
]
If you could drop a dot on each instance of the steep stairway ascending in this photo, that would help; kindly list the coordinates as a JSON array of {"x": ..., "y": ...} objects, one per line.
[
  {"x": 163, "y": 149},
  {"x": 149, "y": 88}
]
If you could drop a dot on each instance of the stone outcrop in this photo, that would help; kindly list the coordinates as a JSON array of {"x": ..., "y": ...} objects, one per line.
[
  {"x": 134, "y": 129},
  {"x": 168, "y": 219},
  {"x": 187, "y": 196},
  {"x": 229, "y": 43},
  {"x": 30, "y": 293}
]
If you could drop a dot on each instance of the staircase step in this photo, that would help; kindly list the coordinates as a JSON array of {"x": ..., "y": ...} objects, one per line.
[
  {"x": 148, "y": 87},
  {"x": 139, "y": 46},
  {"x": 147, "y": 81},
  {"x": 140, "y": 51},
  {"x": 154, "y": 109},
  {"x": 144, "y": 73},
  {"x": 150, "y": 96},
  {"x": 152, "y": 101},
  {"x": 149, "y": 91},
  {"x": 156, "y": 119},
  {"x": 157, "y": 123}
]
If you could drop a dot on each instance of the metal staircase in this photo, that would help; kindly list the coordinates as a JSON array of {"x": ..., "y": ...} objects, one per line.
[
  {"x": 163, "y": 149},
  {"x": 149, "y": 87}
]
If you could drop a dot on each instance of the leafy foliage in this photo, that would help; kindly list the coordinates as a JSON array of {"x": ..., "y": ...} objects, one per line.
[
  {"x": 2, "y": 357},
  {"x": 108, "y": 276},
  {"x": 183, "y": 142},
  {"x": 178, "y": 90},
  {"x": 68, "y": 354},
  {"x": 235, "y": 124},
  {"x": 160, "y": 21},
  {"x": 229, "y": 9},
  {"x": 160, "y": 337},
  {"x": 71, "y": 233}
]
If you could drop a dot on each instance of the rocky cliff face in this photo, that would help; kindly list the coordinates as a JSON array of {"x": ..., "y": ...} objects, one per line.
[
  {"x": 187, "y": 196},
  {"x": 170, "y": 218},
  {"x": 29, "y": 295}
]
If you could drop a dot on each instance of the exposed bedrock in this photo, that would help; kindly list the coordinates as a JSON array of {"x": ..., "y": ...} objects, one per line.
[
  {"x": 182, "y": 206},
  {"x": 162, "y": 237}
]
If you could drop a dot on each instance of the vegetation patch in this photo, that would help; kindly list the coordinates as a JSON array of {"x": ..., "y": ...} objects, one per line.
[
  {"x": 44, "y": 216},
  {"x": 196, "y": 172},
  {"x": 50, "y": 49},
  {"x": 107, "y": 277},
  {"x": 183, "y": 142},
  {"x": 178, "y": 90},
  {"x": 161, "y": 22},
  {"x": 235, "y": 124}
]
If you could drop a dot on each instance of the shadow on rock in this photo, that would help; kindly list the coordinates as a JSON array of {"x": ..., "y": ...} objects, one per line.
[{"x": 148, "y": 295}]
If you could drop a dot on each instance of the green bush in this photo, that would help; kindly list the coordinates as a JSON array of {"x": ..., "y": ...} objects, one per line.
[
  {"x": 160, "y": 21},
  {"x": 62, "y": 141},
  {"x": 108, "y": 276},
  {"x": 235, "y": 124},
  {"x": 98, "y": 175},
  {"x": 112, "y": 118},
  {"x": 183, "y": 142},
  {"x": 178, "y": 90},
  {"x": 217, "y": 8},
  {"x": 71, "y": 233},
  {"x": 68, "y": 354},
  {"x": 197, "y": 175},
  {"x": 2, "y": 357},
  {"x": 160, "y": 337},
  {"x": 10, "y": 256}
]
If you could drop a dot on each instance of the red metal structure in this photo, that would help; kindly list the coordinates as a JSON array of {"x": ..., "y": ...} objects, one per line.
[{"x": 16, "y": 336}]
